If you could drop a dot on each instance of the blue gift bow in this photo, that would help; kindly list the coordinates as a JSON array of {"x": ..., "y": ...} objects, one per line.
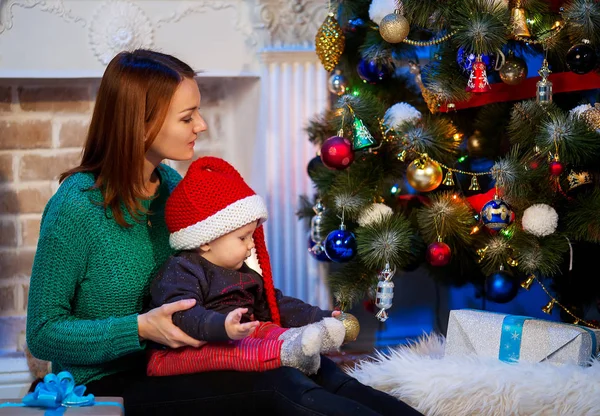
[
  {"x": 512, "y": 333},
  {"x": 58, "y": 392}
]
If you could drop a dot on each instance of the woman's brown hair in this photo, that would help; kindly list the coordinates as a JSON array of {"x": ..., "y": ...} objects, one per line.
[{"x": 131, "y": 107}]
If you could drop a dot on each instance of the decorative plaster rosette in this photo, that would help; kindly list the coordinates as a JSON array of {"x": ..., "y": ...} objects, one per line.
[{"x": 119, "y": 25}]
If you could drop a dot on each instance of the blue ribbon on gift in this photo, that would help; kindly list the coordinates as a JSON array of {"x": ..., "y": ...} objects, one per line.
[
  {"x": 512, "y": 333},
  {"x": 57, "y": 393}
]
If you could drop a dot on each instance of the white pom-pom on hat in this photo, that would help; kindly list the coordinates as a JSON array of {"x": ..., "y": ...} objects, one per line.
[
  {"x": 540, "y": 220},
  {"x": 374, "y": 213},
  {"x": 380, "y": 9},
  {"x": 400, "y": 113}
]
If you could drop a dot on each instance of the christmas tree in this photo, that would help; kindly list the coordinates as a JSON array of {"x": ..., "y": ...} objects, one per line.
[{"x": 438, "y": 150}]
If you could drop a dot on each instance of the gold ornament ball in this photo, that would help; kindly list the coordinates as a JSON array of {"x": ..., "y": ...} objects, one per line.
[
  {"x": 394, "y": 28},
  {"x": 352, "y": 326},
  {"x": 514, "y": 71},
  {"x": 424, "y": 175}
]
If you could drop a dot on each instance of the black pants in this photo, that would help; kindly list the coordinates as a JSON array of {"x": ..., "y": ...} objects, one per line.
[{"x": 283, "y": 391}]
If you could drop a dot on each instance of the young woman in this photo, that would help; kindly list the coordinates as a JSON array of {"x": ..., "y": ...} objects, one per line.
[{"x": 103, "y": 237}]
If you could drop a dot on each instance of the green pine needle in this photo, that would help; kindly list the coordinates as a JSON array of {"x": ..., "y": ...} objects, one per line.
[
  {"x": 351, "y": 283},
  {"x": 385, "y": 241},
  {"x": 497, "y": 251},
  {"x": 584, "y": 20},
  {"x": 582, "y": 220},
  {"x": 442, "y": 77},
  {"x": 540, "y": 255},
  {"x": 570, "y": 137},
  {"x": 448, "y": 217},
  {"x": 482, "y": 26},
  {"x": 432, "y": 135}
]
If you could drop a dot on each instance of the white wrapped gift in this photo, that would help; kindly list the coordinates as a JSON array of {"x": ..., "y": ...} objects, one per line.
[{"x": 513, "y": 338}]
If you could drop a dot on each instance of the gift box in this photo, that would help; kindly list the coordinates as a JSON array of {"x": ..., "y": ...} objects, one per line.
[
  {"x": 58, "y": 395},
  {"x": 103, "y": 406},
  {"x": 513, "y": 338}
]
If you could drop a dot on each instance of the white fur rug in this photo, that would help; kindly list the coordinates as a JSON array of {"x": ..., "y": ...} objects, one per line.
[{"x": 420, "y": 375}]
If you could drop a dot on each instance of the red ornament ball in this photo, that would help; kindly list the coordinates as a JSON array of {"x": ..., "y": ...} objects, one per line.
[
  {"x": 556, "y": 168},
  {"x": 337, "y": 153},
  {"x": 438, "y": 254}
]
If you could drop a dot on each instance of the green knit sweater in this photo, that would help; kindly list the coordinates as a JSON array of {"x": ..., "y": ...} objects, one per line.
[{"x": 91, "y": 278}]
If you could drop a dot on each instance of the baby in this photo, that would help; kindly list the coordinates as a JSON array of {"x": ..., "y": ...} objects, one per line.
[{"x": 215, "y": 220}]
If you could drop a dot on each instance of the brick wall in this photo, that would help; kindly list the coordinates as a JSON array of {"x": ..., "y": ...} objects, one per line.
[{"x": 42, "y": 128}]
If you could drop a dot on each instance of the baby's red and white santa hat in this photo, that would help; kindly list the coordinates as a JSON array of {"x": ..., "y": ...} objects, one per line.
[{"x": 213, "y": 200}]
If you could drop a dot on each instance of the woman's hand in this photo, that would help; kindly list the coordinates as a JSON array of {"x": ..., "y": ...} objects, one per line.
[
  {"x": 157, "y": 325},
  {"x": 235, "y": 329}
]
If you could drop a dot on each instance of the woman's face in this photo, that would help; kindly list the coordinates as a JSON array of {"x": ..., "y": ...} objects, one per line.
[{"x": 183, "y": 122}]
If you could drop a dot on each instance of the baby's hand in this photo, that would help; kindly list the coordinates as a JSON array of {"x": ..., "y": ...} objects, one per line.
[
  {"x": 235, "y": 329},
  {"x": 335, "y": 314}
]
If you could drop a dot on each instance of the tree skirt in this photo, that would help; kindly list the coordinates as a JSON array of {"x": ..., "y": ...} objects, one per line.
[{"x": 421, "y": 376}]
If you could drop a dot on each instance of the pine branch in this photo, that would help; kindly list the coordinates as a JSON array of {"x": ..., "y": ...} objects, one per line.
[
  {"x": 570, "y": 137},
  {"x": 447, "y": 217},
  {"x": 431, "y": 135},
  {"x": 495, "y": 253},
  {"x": 428, "y": 14},
  {"x": 481, "y": 25},
  {"x": 509, "y": 173},
  {"x": 583, "y": 18},
  {"x": 366, "y": 107},
  {"x": 443, "y": 78},
  {"x": 319, "y": 128},
  {"x": 582, "y": 220},
  {"x": 543, "y": 255},
  {"x": 386, "y": 241},
  {"x": 351, "y": 283},
  {"x": 525, "y": 120}
]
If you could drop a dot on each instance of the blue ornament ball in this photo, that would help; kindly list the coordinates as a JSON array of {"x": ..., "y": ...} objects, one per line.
[
  {"x": 373, "y": 72},
  {"x": 318, "y": 253},
  {"x": 496, "y": 214},
  {"x": 501, "y": 287},
  {"x": 340, "y": 246},
  {"x": 466, "y": 60}
]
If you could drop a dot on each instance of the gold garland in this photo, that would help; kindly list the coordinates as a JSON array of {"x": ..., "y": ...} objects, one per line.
[
  {"x": 553, "y": 301},
  {"x": 387, "y": 137},
  {"x": 430, "y": 42}
]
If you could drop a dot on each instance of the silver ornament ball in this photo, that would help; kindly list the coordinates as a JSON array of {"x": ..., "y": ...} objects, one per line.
[
  {"x": 394, "y": 28},
  {"x": 338, "y": 84}
]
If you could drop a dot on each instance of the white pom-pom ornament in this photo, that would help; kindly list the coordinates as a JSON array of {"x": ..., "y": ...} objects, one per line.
[
  {"x": 540, "y": 220},
  {"x": 400, "y": 113},
  {"x": 374, "y": 213},
  {"x": 380, "y": 9}
]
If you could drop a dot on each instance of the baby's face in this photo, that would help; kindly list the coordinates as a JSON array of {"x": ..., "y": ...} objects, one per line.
[{"x": 230, "y": 250}]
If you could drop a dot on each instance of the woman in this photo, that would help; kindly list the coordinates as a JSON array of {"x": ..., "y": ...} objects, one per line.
[{"x": 102, "y": 239}]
